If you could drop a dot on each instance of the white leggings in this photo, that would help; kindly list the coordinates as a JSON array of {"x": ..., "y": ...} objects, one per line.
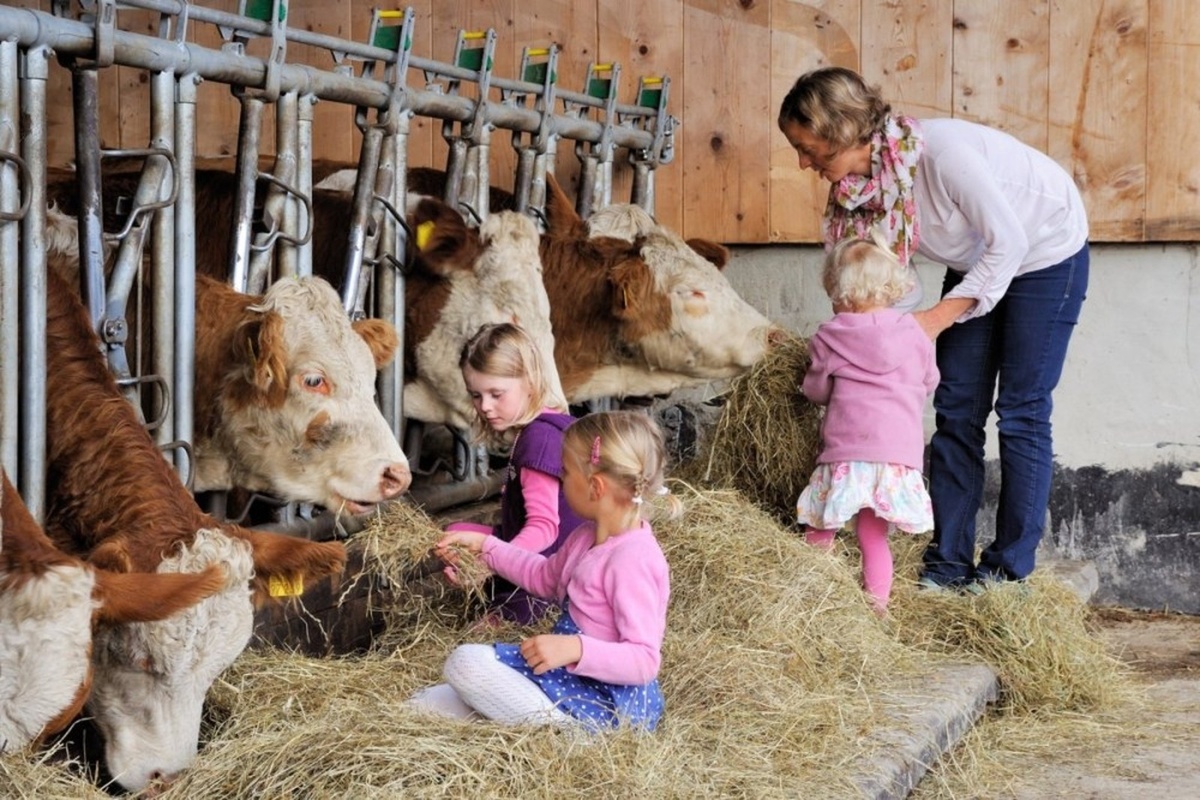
[{"x": 478, "y": 684}]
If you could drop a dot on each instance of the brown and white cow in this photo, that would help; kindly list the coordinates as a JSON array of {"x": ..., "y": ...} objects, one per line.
[
  {"x": 457, "y": 279},
  {"x": 641, "y": 316},
  {"x": 113, "y": 499},
  {"x": 284, "y": 384},
  {"x": 285, "y": 397},
  {"x": 638, "y": 311},
  {"x": 50, "y": 604}
]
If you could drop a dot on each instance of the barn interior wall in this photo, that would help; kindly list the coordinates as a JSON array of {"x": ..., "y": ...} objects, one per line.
[{"x": 1108, "y": 89}]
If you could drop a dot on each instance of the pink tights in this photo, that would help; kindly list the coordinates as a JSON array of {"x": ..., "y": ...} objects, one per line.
[{"x": 876, "y": 555}]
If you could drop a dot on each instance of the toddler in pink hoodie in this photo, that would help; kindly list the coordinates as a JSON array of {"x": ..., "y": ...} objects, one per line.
[{"x": 873, "y": 368}]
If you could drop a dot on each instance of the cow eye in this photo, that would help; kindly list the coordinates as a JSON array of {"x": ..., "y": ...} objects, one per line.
[{"x": 315, "y": 382}]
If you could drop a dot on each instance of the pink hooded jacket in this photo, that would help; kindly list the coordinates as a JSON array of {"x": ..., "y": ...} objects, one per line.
[{"x": 874, "y": 372}]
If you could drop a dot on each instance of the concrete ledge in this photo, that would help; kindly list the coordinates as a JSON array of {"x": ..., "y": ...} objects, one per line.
[
  {"x": 923, "y": 723},
  {"x": 1081, "y": 577}
]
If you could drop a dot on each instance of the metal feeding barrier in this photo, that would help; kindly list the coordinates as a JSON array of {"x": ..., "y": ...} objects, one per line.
[{"x": 271, "y": 238}]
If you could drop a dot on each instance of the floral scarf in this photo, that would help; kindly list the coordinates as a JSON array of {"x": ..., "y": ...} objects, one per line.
[{"x": 883, "y": 201}]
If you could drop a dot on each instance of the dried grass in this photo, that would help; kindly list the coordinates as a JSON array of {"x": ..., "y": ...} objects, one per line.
[
  {"x": 778, "y": 680},
  {"x": 765, "y": 443}
]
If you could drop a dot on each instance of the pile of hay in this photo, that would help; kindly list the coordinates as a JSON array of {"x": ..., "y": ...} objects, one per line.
[
  {"x": 766, "y": 441},
  {"x": 774, "y": 670}
]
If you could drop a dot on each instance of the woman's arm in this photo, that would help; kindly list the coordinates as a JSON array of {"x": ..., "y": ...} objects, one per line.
[{"x": 936, "y": 319}]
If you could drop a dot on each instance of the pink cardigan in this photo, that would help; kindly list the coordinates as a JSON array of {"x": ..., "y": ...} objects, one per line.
[
  {"x": 874, "y": 372},
  {"x": 618, "y": 594}
]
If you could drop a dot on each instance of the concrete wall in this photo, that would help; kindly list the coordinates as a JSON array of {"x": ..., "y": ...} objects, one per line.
[{"x": 1126, "y": 418}]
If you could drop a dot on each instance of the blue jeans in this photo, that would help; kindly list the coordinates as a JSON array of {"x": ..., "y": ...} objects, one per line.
[{"x": 1021, "y": 345}]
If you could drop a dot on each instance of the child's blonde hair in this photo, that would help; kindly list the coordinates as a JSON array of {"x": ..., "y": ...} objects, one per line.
[
  {"x": 627, "y": 447},
  {"x": 865, "y": 272},
  {"x": 505, "y": 350}
]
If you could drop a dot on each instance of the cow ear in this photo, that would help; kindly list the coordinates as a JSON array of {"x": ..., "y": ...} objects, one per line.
[
  {"x": 265, "y": 357},
  {"x": 380, "y": 337},
  {"x": 441, "y": 242},
  {"x": 151, "y": 596},
  {"x": 561, "y": 219},
  {"x": 717, "y": 254},
  {"x": 284, "y": 565},
  {"x": 635, "y": 301},
  {"x": 111, "y": 555}
]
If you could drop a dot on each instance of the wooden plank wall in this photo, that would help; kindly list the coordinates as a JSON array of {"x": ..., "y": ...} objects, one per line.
[{"x": 1108, "y": 87}]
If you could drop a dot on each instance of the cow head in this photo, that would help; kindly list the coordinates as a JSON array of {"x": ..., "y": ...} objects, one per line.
[
  {"x": 681, "y": 312},
  {"x": 487, "y": 276},
  {"x": 50, "y": 604},
  {"x": 296, "y": 415},
  {"x": 151, "y": 678},
  {"x": 678, "y": 319}
]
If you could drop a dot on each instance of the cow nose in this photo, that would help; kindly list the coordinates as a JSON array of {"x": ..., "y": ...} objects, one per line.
[
  {"x": 159, "y": 783},
  {"x": 777, "y": 337},
  {"x": 395, "y": 479}
]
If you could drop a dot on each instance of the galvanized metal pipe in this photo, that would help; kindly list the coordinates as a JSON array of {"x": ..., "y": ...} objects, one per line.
[
  {"x": 162, "y": 254},
  {"x": 69, "y": 37},
  {"x": 304, "y": 182},
  {"x": 85, "y": 85},
  {"x": 185, "y": 269},
  {"x": 34, "y": 72},
  {"x": 10, "y": 243},
  {"x": 249, "y": 135}
]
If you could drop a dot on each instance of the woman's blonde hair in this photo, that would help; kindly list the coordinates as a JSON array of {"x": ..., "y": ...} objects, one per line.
[
  {"x": 505, "y": 350},
  {"x": 835, "y": 104},
  {"x": 865, "y": 272},
  {"x": 627, "y": 447}
]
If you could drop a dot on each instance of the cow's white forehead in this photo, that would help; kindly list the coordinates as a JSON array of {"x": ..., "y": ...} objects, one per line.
[
  {"x": 45, "y": 634},
  {"x": 317, "y": 332},
  {"x": 621, "y": 221},
  {"x": 151, "y": 677},
  {"x": 191, "y": 640}
]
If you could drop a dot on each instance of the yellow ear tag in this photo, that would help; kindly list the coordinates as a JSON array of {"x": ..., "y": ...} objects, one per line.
[
  {"x": 424, "y": 234},
  {"x": 285, "y": 586}
]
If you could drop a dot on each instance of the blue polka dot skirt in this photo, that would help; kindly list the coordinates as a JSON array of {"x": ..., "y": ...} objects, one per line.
[{"x": 601, "y": 705}]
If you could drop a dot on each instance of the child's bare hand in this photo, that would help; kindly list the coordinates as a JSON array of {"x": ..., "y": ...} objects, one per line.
[
  {"x": 447, "y": 546},
  {"x": 550, "y": 651}
]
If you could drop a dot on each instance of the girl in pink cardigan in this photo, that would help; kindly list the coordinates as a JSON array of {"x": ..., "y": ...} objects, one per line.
[
  {"x": 873, "y": 368},
  {"x": 599, "y": 664}
]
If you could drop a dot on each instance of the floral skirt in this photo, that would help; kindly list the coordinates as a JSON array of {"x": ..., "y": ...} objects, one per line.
[
  {"x": 599, "y": 704},
  {"x": 838, "y": 491}
]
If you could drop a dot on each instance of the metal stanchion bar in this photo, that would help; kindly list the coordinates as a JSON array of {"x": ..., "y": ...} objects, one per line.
[
  {"x": 359, "y": 50},
  {"x": 11, "y": 193},
  {"x": 68, "y": 37},
  {"x": 35, "y": 70}
]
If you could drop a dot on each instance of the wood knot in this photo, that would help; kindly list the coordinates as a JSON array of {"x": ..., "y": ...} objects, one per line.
[
  {"x": 960, "y": 24},
  {"x": 643, "y": 50},
  {"x": 716, "y": 143},
  {"x": 747, "y": 4}
]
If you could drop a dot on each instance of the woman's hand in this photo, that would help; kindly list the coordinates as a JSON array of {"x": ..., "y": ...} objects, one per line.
[
  {"x": 550, "y": 651},
  {"x": 936, "y": 319}
]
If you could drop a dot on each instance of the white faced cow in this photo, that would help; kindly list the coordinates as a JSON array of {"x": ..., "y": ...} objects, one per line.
[
  {"x": 50, "y": 604},
  {"x": 285, "y": 396},
  {"x": 284, "y": 383},
  {"x": 459, "y": 280},
  {"x": 638, "y": 311},
  {"x": 113, "y": 499}
]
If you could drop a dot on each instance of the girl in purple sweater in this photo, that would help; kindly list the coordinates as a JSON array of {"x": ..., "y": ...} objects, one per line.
[
  {"x": 599, "y": 664},
  {"x": 515, "y": 406},
  {"x": 873, "y": 368}
]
